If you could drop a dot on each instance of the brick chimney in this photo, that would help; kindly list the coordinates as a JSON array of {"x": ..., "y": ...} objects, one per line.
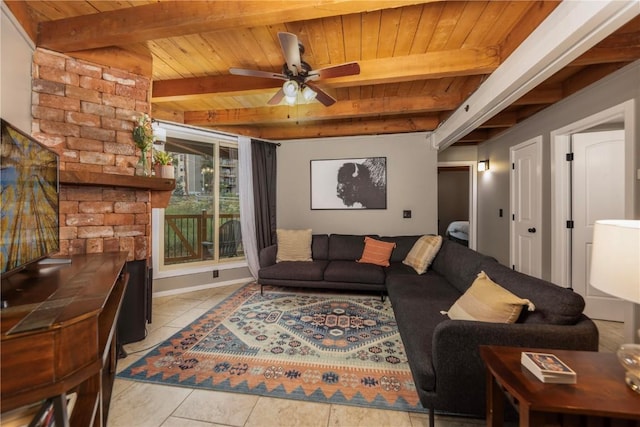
[{"x": 85, "y": 112}]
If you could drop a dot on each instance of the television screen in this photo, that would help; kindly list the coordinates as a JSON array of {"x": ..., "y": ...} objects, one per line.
[{"x": 29, "y": 213}]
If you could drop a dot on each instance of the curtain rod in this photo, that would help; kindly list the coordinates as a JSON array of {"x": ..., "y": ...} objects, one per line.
[{"x": 267, "y": 141}]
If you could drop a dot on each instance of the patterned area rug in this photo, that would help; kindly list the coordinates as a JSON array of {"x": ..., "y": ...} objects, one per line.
[{"x": 330, "y": 348}]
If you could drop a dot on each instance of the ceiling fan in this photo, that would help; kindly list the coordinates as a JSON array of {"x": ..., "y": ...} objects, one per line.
[{"x": 298, "y": 75}]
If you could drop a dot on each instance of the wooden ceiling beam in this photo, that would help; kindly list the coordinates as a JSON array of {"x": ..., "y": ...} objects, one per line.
[
  {"x": 475, "y": 136},
  {"x": 529, "y": 110},
  {"x": 604, "y": 55},
  {"x": 567, "y": 33},
  {"x": 431, "y": 65},
  {"x": 317, "y": 111},
  {"x": 544, "y": 94},
  {"x": 504, "y": 119},
  {"x": 24, "y": 15},
  {"x": 122, "y": 59},
  {"x": 331, "y": 129},
  {"x": 196, "y": 87},
  {"x": 588, "y": 76},
  {"x": 179, "y": 18}
]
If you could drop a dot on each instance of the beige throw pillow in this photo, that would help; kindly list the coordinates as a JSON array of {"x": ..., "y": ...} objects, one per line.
[
  {"x": 293, "y": 245},
  {"x": 486, "y": 301},
  {"x": 423, "y": 252}
]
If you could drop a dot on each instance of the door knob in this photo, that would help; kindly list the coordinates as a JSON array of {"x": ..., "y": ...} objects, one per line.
[{"x": 532, "y": 230}]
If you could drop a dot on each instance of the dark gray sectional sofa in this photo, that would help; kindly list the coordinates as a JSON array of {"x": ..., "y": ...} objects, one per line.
[
  {"x": 443, "y": 354},
  {"x": 333, "y": 266}
]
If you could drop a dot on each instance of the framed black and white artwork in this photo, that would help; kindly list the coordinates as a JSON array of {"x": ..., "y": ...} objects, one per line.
[{"x": 349, "y": 183}]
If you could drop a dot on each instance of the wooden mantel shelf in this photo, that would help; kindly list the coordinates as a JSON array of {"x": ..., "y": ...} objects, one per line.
[
  {"x": 114, "y": 180},
  {"x": 160, "y": 188}
]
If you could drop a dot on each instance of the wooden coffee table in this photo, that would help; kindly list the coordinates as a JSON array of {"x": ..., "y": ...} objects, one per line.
[{"x": 600, "y": 392}]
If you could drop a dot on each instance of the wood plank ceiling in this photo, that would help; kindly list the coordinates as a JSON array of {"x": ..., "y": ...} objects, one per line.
[{"x": 419, "y": 60}]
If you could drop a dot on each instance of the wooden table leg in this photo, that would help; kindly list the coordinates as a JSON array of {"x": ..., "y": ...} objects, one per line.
[
  {"x": 529, "y": 418},
  {"x": 495, "y": 402}
]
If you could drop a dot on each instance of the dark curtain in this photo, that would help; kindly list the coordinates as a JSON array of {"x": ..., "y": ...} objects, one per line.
[{"x": 263, "y": 155}]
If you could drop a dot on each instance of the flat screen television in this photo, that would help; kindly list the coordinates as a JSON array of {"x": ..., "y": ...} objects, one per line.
[{"x": 29, "y": 219}]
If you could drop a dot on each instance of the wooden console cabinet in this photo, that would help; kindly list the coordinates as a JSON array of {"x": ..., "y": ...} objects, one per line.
[{"x": 58, "y": 326}]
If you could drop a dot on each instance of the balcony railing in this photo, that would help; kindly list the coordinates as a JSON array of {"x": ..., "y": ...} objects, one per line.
[{"x": 191, "y": 237}]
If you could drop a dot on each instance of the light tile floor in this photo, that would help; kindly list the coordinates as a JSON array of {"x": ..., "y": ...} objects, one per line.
[{"x": 135, "y": 404}]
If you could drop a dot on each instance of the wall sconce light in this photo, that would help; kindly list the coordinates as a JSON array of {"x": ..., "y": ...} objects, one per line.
[{"x": 483, "y": 165}]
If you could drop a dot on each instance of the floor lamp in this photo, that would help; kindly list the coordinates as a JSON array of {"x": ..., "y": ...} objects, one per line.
[{"x": 615, "y": 269}]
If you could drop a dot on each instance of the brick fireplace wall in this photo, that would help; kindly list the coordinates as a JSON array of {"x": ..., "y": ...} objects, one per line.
[{"x": 85, "y": 112}]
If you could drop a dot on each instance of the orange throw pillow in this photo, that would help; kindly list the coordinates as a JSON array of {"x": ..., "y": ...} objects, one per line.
[{"x": 377, "y": 252}]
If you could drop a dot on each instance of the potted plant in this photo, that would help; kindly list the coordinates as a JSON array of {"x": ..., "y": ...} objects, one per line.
[
  {"x": 143, "y": 137},
  {"x": 163, "y": 164}
]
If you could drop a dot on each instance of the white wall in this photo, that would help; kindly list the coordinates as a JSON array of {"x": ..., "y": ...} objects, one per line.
[
  {"x": 493, "y": 186},
  {"x": 464, "y": 153},
  {"x": 411, "y": 185},
  {"x": 16, "y": 51}
]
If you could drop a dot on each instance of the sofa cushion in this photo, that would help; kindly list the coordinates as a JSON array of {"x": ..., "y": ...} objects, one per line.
[
  {"x": 293, "y": 245},
  {"x": 376, "y": 252},
  {"x": 422, "y": 253},
  {"x": 319, "y": 246},
  {"x": 294, "y": 270},
  {"x": 554, "y": 304},
  {"x": 458, "y": 264},
  {"x": 353, "y": 272},
  {"x": 417, "y": 302},
  {"x": 486, "y": 301},
  {"x": 403, "y": 246},
  {"x": 399, "y": 269},
  {"x": 346, "y": 247}
]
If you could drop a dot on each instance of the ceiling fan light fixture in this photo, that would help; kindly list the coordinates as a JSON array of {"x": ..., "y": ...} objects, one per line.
[
  {"x": 290, "y": 100},
  {"x": 290, "y": 88},
  {"x": 308, "y": 94}
]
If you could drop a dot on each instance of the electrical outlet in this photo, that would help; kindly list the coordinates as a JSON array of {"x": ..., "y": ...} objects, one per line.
[{"x": 216, "y": 274}]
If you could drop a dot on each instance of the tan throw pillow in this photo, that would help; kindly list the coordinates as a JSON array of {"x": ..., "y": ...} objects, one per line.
[
  {"x": 376, "y": 252},
  {"x": 293, "y": 245},
  {"x": 486, "y": 301},
  {"x": 423, "y": 252}
]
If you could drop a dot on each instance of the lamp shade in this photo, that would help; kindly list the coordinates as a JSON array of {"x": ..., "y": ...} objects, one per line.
[
  {"x": 308, "y": 94},
  {"x": 615, "y": 258},
  {"x": 290, "y": 88}
]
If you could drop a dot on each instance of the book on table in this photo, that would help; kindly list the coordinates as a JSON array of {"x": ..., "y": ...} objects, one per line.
[{"x": 548, "y": 368}]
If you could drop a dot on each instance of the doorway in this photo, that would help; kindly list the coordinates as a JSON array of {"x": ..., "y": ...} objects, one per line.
[
  {"x": 457, "y": 202},
  {"x": 566, "y": 269},
  {"x": 525, "y": 182},
  {"x": 597, "y": 193}
]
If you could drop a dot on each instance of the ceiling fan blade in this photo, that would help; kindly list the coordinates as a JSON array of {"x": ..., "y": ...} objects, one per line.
[
  {"x": 322, "y": 96},
  {"x": 348, "y": 69},
  {"x": 257, "y": 73},
  {"x": 291, "y": 52},
  {"x": 277, "y": 98}
]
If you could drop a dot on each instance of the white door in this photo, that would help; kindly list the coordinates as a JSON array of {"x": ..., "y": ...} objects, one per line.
[
  {"x": 526, "y": 207},
  {"x": 597, "y": 193}
]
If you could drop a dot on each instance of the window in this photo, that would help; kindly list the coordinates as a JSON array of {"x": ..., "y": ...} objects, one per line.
[{"x": 201, "y": 224}]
